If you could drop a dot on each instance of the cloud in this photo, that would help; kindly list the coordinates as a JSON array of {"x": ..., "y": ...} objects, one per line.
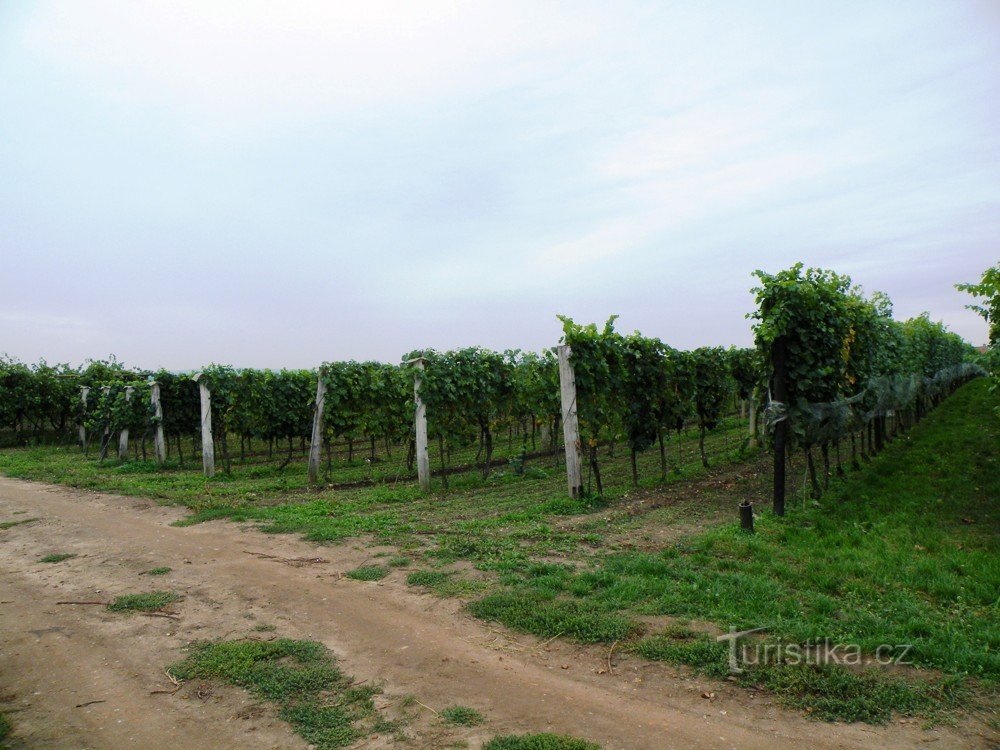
[{"x": 254, "y": 65}]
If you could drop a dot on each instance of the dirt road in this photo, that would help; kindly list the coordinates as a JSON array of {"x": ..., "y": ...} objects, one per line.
[{"x": 55, "y": 658}]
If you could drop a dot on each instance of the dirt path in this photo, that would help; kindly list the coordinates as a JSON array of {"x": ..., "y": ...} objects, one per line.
[{"x": 53, "y": 658}]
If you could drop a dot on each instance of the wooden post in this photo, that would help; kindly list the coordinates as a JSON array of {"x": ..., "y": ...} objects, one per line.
[
  {"x": 123, "y": 435},
  {"x": 159, "y": 446},
  {"x": 780, "y": 394},
  {"x": 84, "y": 392},
  {"x": 753, "y": 417},
  {"x": 207, "y": 447},
  {"x": 571, "y": 426},
  {"x": 420, "y": 428},
  {"x": 316, "y": 444}
]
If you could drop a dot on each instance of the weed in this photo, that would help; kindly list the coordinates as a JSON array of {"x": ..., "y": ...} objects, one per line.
[
  {"x": 462, "y": 716},
  {"x": 57, "y": 557},
  {"x": 368, "y": 573},
  {"x": 148, "y": 602},
  {"x": 11, "y": 524},
  {"x": 538, "y": 742}
]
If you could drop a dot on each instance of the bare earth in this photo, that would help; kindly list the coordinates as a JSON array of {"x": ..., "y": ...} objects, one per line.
[{"x": 55, "y": 658}]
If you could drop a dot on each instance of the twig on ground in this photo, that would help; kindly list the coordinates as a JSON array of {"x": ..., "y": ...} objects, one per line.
[
  {"x": 546, "y": 643},
  {"x": 428, "y": 708},
  {"x": 611, "y": 670},
  {"x": 89, "y": 703},
  {"x": 105, "y": 603}
]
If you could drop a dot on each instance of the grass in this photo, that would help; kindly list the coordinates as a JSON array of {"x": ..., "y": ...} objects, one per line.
[
  {"x": 300, "y": 678},
  {"x": 4, "y": 525},
  {"x": 903, "y": 552},
  {"x": 462, "y": 716},
  {"x": 56, "y": 557},
  {"x": 161, "y": 571},
  {"x": 264, "y": 628},
  {"x": 446, "y": 583},
  {"x": 538, "y": 742},
  {"x": 257, "y": 480},
  {"x": 152, "y": 601},
  {"x": 6, "y": 728},
  {"x": 368, "y": 573}
]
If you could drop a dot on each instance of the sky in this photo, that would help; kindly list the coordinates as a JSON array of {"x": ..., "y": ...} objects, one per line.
[{"x": 278, "y": 184}]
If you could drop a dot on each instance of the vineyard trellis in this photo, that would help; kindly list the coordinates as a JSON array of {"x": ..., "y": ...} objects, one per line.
[{"x": 829, "y": 365}]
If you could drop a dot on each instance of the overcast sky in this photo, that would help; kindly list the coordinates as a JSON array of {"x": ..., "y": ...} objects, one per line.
[{"x": 279, "y": 184}]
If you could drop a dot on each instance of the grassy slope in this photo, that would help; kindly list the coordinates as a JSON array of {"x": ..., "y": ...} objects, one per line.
[{"x": 906, "y": 552}]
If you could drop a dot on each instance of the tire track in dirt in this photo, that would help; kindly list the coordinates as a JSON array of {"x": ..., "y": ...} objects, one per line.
[{"x": 383, "y": 633}]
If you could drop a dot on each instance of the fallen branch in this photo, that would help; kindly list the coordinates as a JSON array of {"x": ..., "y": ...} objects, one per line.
[
  {"x": 611, "y": 670},
  {"x": 104, "y": 603},
  {"x": 89, "y": 703},
  {"x": 165, "y": 692}
]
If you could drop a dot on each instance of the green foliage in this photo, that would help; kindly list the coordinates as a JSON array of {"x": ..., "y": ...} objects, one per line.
[
  {"x": 713, "y": 384},
  {"x": 37, "y": 399},
  {"x": 366, "y": 399},
  {"x": 600, "y": 378},
  {"x": 745, "y": 369},
  {"x": 987, "y": 294},
  {"x": 837, "y": 344},
  {"x": 162, "y": 571},
  {"x": 639, "y": 388},
  {"x": 147, "y": 602},
  {"x": 808, "y": 312}
]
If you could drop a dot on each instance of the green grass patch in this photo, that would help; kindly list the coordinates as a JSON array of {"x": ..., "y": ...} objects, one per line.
[
  {"x": 826, "y": 691},
  {"x": 57, "y": 557},
  {"x": 300, "y": 678},
  {"x": 4, "y": 525},
  {"x": 161, "y": 571},
  {"x": 399, "y": 561},
  {"x": 368, "y": 573},
  {"x": 264, "y": 628},
  {"x": 462, "y": 716},
  {"x": 534, "y": 613},
  {"x": 147, "y": 602},
  {"x": 538, "y": 742},
  {"x": 446, "y": 583},
  {"x": 6, "y": 728}
]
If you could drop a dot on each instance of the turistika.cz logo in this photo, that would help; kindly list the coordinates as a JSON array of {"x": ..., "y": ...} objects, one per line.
[{"x": 819, "y": 651}]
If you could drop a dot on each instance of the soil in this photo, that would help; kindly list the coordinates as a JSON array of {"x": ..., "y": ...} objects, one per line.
[{"x": 78, "y": 676}]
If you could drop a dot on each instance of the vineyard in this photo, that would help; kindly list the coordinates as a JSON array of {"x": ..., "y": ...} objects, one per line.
[
  {"x": 555, "y": 526},
  {"x": 833, "y": 377}
]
